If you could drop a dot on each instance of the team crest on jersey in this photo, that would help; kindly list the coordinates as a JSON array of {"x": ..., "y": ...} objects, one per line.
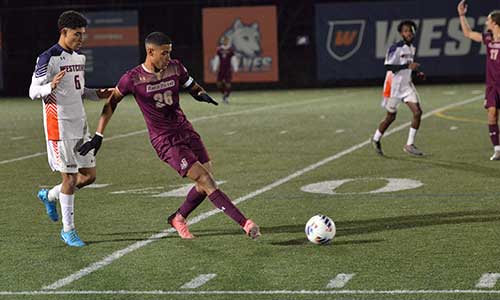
[
  {"x": 344, "y": 38},
  {"x": 184, "y": 164}
]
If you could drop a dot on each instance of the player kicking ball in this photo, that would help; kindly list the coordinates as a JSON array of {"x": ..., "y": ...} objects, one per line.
[
  {"x": 398, "y": 87},
  {"x": 155, "y": 85}
]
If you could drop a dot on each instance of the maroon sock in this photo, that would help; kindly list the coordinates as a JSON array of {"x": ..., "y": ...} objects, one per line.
[
  {"x": 493, "y": 134},
  {"x": 222, "y": 202},
  {"x": 193, "y": 199},
  {"x": 227, "y": 92}
]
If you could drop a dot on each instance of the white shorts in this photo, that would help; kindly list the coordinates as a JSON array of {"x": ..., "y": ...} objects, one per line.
[
  {"x": 64, "y": 157},
  {"x": 391, "y": 104}
]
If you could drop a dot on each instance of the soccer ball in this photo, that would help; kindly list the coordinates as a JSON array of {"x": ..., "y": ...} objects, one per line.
[{"x": 320, "y": 229}]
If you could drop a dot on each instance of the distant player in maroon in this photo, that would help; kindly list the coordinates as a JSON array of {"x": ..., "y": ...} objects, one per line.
[
  {"x": 155, "y": 85},
  {"x": 225, "y": 64},
  {"x": 492, "y": 41}
]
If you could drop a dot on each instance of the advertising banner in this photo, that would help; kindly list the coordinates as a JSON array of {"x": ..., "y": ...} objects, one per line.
[
  {"x": 352, "y": 38},
  {"x": 111, "y": 46},
  {"x": 253, "y": 35}
]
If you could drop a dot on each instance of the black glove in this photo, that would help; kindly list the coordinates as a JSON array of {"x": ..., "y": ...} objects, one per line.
[
  {"x": 94, "y": 143},
  {"x": 204, "y": 97}
]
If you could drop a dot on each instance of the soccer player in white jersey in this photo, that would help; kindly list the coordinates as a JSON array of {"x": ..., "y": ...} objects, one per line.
[
  {"x": 398, "y": 87},
  {"x": 59, "y": 81}
]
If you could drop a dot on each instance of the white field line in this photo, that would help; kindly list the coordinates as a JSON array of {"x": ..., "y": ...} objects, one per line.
[
  {"x": 198, "y": 281},
  {"x": 117, "y": 254},
  {"x": 269, "y": 292},
  {"x": 194, "y": 120},
  {"x": 488, "y": 280}
]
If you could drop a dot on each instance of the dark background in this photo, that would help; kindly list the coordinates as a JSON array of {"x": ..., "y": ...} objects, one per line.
[{"x": 30, "y": 27}]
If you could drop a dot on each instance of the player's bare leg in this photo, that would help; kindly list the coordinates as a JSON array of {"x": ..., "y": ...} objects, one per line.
[
  {"x": 204, "y": 179},
  {"x": 493, "y": 131},
  {"x": 382, "y": 127},
  {"x": 410, "y": 147}
]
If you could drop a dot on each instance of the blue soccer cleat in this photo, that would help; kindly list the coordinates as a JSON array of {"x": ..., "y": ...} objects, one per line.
[
  {"x": 71, "y": 238},
  {"x": 50, "y": 206}
]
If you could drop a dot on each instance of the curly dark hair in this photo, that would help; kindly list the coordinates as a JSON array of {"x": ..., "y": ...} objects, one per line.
[
  {"x": 158, "y": 39},
  {"x": 71, "y": 19},
  {"x": 407, "y": 23}
]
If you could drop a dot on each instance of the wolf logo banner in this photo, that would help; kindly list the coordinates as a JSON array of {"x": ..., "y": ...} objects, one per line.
[
  {"x": 253, "y": 37},
  {"x": 344, "y": 38}
]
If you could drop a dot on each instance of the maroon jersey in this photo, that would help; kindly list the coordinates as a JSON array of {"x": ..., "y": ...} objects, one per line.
[
  {"x": 158, "y": 97},
  {"x": 492, "y": 60},
  {"x": 225, "y": 54}
]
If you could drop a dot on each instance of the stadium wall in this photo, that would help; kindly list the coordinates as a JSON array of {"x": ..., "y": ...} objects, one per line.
[{"x": 29, "y": 28}]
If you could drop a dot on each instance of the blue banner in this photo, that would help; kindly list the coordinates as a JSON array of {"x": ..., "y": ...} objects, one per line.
[
  {"x": 352, "y": 38},
  {"x": 111, "y": 46}
]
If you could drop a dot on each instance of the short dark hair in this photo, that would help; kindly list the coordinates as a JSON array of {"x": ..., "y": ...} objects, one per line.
[
  {"x": 495, "y": 16},
  {"x": 409, "y": 23},
  {"x": 71, "y": 19},
  {"x": 158, "y": 39}
]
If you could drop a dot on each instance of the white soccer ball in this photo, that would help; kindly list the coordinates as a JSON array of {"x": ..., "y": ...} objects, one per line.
[{"x": 320, "y": 229}]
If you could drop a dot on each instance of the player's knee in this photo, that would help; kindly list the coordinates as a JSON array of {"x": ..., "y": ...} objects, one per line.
[
  {"x": 206, "y": 183},
  {"x": 391, "y": 117}
]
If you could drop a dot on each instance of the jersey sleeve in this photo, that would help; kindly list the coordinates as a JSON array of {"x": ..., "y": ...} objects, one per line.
[
  {"x": 392, "y": 57},
  {"x": 125, "y": 85},
  {"x": 487, "y": 37},
  {"x": 184, "y": 79},
  {"x": 40, "y": 84}
]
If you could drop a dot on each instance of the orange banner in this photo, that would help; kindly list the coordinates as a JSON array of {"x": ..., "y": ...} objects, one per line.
[{"x": 253, "y": 35}]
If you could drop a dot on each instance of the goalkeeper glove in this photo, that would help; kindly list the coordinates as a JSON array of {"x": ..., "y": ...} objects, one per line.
[
  {"x": 94, "y": 143},
  {"x": 204, "y": 97}
]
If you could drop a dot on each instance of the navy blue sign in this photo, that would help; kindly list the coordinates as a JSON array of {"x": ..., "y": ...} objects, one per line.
[
  {"x": 352, "y": 38},
  {"x": 111, "y": 46}
]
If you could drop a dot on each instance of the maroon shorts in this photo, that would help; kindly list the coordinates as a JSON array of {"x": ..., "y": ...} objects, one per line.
[
  {"x": 492, "y": 97},
  {"x": 224, "y": 76},
  {"x": 181, "y": 150}
]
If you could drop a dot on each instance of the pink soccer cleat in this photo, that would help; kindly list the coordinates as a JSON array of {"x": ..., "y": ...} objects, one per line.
[
  {"x": 179, "y": 223},
  {"x": 252, "y": 229}
]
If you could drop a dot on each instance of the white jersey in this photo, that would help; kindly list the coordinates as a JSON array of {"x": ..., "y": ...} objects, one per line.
[
  {"x": 63, "y": 113},
  {"x": 399, "y": 84}
]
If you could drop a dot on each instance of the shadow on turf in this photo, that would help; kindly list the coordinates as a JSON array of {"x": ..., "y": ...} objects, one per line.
[
  {"x": 451, "y": 165},
  {"x": 346, "y": 228}
]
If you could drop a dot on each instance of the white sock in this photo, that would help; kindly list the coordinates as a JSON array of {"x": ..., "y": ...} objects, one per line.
[
  {"x": 496, "y": 148},
  {"x": 54, "y": 192},
  {"x": 377, "y": 136},
  {"x": 411, "y": 136},
  {"x": 67, "y": 205}
]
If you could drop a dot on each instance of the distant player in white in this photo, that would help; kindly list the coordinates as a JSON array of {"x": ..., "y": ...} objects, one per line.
[
  {"x": 59, "y": 81},
  {"x": 398, "y": 87}
]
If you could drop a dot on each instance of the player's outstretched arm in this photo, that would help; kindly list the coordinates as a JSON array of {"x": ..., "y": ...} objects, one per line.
[
  {"x": 199, "y": 94},
  {"x": 106, "y": 114},
  {"x": 97, "y": 94},
  {"x": 468, "y": 33}
]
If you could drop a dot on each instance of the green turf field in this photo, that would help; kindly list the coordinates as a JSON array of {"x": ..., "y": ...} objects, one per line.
[{"x": 435, "y": 241}]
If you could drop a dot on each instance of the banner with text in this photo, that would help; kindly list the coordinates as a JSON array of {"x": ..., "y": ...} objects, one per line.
[
  {"x": 352, "y": 38},
  {"x": 253, "y": 35},
  {"x": 111, "y": 46}
]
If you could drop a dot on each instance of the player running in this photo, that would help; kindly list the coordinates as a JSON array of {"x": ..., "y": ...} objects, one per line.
[{"x": 398, "y": 87}]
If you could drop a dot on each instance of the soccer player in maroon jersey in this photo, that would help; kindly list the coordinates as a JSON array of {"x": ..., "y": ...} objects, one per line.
[
  {"x": 491, "y": 39},
  {"x": 225, "y": 62},
  {"x": 155, "y": 85}
]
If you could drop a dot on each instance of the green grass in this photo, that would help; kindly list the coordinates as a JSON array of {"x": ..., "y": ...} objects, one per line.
[{"x": 441, "y": 236}]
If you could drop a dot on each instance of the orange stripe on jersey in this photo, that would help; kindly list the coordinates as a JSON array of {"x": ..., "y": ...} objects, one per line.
[
  {"x": 387, "y": 85},
  {"x": 55, "y": 150},
  {"x": 50, "y": 106}
]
